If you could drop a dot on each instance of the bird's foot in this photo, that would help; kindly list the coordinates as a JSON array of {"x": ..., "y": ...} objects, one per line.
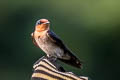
[{"x": 52, "y": 58}]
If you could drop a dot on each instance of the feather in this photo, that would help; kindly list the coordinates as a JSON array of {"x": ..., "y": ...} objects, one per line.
[
  {"x": 68, "y": 57},
  {"x": 33, "y": 40}
]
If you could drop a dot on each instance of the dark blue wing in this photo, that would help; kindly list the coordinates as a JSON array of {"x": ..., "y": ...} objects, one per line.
[
  {"x": 54, "y": 36},
  {"x": 68, "y": 57},
  {"x": 56, "y": 40}
]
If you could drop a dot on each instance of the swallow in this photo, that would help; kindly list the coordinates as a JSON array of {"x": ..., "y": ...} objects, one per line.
[{"x": 44, "y": 38}]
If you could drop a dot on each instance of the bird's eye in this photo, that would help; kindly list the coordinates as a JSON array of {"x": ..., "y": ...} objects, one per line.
[{"x": 39, "y": 22}]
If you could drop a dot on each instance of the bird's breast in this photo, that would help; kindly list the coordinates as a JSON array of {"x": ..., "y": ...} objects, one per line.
[{"x": 49, "y": 47}]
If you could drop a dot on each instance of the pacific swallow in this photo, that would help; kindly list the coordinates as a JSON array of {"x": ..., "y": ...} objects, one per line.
[{"x": 52, "y": 45}]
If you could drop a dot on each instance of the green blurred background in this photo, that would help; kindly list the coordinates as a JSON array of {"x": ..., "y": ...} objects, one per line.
[{"x": 90, "y": 28}]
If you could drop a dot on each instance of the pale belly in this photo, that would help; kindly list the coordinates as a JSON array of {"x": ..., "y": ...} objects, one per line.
[{"x": 50, "y": 48}]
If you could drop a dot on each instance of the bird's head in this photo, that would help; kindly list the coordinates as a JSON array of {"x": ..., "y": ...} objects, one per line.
[{"x": 42, "y": 25}]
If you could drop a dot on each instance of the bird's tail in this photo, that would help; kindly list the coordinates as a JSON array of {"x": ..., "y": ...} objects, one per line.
[{"x": 73, "y": 61}]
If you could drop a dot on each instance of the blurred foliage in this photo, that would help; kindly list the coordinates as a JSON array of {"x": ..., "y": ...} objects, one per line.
[{"x": 90, "y": 28}]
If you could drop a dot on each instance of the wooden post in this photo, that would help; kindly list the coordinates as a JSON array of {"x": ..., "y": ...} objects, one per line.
[{"x": 47, "y": 69}]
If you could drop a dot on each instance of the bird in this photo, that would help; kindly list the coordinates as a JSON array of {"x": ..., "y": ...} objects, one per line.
[{"x": 45, "y": 39}]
